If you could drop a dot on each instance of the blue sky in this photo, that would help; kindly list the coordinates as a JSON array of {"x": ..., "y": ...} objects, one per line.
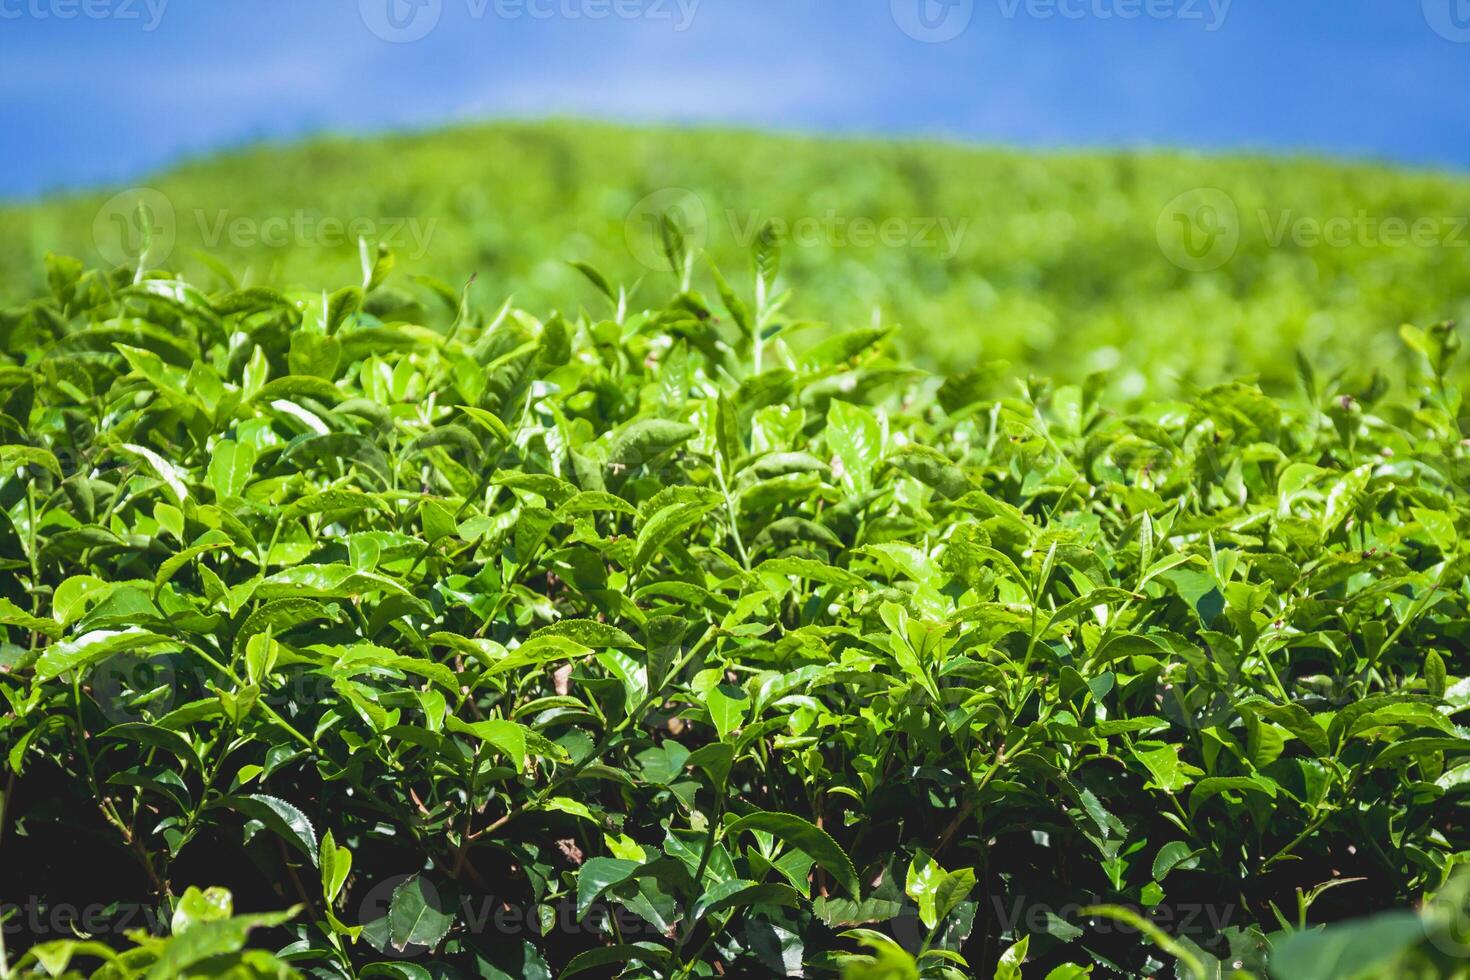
[{"x": 101, "y": 91}]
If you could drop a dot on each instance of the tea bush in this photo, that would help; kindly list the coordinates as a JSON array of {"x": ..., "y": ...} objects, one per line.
[
  {"x": 692, "y": 642},
  {"x": 1061, "y": 263}
]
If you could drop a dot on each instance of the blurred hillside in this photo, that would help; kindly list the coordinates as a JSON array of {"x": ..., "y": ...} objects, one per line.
[{"x": 1165, "y": 268}]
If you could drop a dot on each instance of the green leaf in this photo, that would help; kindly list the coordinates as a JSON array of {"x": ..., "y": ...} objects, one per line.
[
  {"x": 418, "y": 915},
  {"x": 806, "y": 837},
  {"x": 335, "y": 863},
  {"x": 814, "y": 571},
  {"x": 649, "y": 953},
  {"x": 169, "y": 474},
  {"x": 596, "y": 278},
  {"x": 1206, "y": 789},
  {"x": 597, "y": 876},
  {"x": 587, "y": 633},
  {"x": 195, "y": 906},
  {"x": 932, "y": 468},
  {"x": 95, "y": 646},
  {"x": 205, "y": 940},
  {"x": 1169, "y": 772},
  {"x": 633, "y": 675},
  {"x": 279, "y": 616},
  {"x": 1364, "y": 947},
  {"x": 856, "y": 438},
  {"x": 230, "y": 468},
  {"x": 277, "y": 815},
  {"x": 1175, "y": 854},
  {"x": 507, "y": 737},
  {"x": 726, "y": 703},
  {"x": 1434, "y": 674},
  {"x": 737, "y": 893},
  {"x": 644, "y": 441},
  {"x": 335, "y": 581},
  {"x": 670, "y": 521},
  {"x": 935, "y": 890},
  {"x": 12, "y": 457},
  {"x": 716, "y": 760},
  {"x": 1009, "y": 967},
  {"x": 13, "y": 615}
]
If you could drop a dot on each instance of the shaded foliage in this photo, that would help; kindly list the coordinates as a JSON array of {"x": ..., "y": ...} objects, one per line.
[{"x": 675, "y": 642}]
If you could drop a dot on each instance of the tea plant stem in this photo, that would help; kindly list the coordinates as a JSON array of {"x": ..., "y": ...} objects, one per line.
[
  {"x": 1307, "y": 831},
  {"x": 1408, "y": 620},
  {"x": 104, "y": 802},
  {"x": 32, "y": 520},
  {"x": 709, "y": 839},
  {"x": 296, "y": 883},
  {"x": 597, "y": 750},
  {"x": 694, "y": 961},
  {"x": 270, "y": 712},
  {"x": 954, "y": 825},
  {"x": 734, "y": 517},
  {"x": 469, "y": 811}
]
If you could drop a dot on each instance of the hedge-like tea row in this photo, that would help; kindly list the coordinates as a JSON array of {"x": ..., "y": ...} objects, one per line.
[{"x": 696, "y": 642}]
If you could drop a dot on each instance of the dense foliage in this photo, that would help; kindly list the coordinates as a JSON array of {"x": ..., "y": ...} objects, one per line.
[
  {"x": 1053, "y": 262},
  {"x": 694, "y": 642}
]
